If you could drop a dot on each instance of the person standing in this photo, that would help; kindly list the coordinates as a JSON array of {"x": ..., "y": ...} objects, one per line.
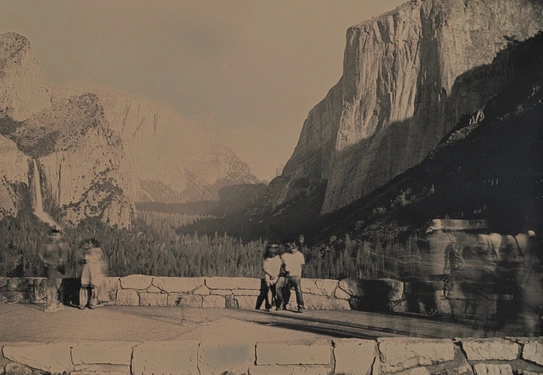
[
  {"x": 53, "y": 255},
  {"x": 271, "y": 266},
  {"x": 92, "y": 276},
  {"x": 434, "y": 266},
  {"x": 292, "y": 261}
]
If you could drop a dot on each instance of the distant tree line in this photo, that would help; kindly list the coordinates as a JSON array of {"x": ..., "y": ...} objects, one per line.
[{"x": 153, "y": 247}]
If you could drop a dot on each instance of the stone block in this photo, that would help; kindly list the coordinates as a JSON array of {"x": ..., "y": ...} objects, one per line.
[
  {"x": 533, "y": 351},
  {"x": 54, "y": 358},
  {"x": 153, "y": 299},
  {"x": 316, "y": 353},
  {"x": 174, "y": 299},
  {"x": 493, "y": 369},
  {"x": 101, "y": 369},
  {"x": 225, "y": 357},
  {"x": 231, "y": 302},
  {"x": 202, "y": 291},
  {"x": 232, "y": 283},
  {"x": 418, "y": 371},
  {"x": 171, "y": 357},
  {"x": 354, "y": 356},
  {"x": 391, "y": 289},
  {"x": 140, "y": 282},
  {"x": 190, "y": 300},
  {"x": 154, "y": 289},
  {"x": 110, "y": 288},
  {"x": 3, "y": 282},
  {"x": 246, "y": 292},
  {"x": 178, "y": 284},
  {"x": 400, "y": 354},
  {"x": 320, "y": 287},
  {"x": 113, "y": 353},
  {"x": 245, "y": 302},
  {"x": 127, "y": 297},
  {"x": 314, "y": 302},
  {"x": 353, "y": 287},
  {"x": 221, "y": 292},
  {"x": 341, "y": 294},
  {"x": 17, "y": 369},
  {"x": 12, "y": 296},
  {"x": 21, "y": 284},
  {"x": 291, "y": 370},
  {"x": 490, "y": 349},
  {"x": 214, "y": 302},
  {"x": 106, "y": 370}
]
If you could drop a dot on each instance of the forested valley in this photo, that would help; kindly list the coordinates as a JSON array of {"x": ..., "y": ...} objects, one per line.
[{"x": 153, "y": 246}]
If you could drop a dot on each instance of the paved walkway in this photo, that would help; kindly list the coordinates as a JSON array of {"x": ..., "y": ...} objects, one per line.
[{"x": 26, "y": 322}]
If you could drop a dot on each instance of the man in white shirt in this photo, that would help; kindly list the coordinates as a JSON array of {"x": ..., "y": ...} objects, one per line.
[{"x": 292, "y": 264}]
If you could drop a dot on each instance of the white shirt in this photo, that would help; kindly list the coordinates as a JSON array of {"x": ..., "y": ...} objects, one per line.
[
  {"x": 293, "y": 262},
  {"x": 272, "y": 265}
]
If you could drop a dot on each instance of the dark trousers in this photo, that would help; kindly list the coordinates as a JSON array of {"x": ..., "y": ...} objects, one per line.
[
  {"x": 287, "y": 282},
  {"x": 263, "y": 296}
]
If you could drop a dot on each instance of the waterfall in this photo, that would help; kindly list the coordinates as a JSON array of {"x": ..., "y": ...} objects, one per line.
[{"x": 38, "y": 199}]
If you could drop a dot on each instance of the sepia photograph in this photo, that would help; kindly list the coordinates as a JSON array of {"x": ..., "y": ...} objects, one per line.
[{"x": 335, "y": 187}]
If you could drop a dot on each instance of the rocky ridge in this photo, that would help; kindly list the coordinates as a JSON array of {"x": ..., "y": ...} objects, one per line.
[
  {"x": 98, "y": 150},
  {"x": 407, "y": 79}
]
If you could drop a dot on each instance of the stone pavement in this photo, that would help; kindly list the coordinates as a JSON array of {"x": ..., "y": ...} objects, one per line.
[{"x": 29, "y": 323}]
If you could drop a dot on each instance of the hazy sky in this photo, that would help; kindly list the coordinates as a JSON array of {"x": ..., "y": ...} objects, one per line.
[{"x": 248, "y": 71}]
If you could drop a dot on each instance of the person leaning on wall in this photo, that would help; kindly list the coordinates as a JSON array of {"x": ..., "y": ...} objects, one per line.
[
  {"x": 271, "y": 267},
  {"x": 292, "y": 261},
  {"x": 53, "y": 254},
  {"x": 92, "y": 275}
]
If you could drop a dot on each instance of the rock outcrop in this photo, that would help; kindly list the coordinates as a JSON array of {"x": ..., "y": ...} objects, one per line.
[
  {"x": 408, "y": 77},
  {"x": 23, "y": 88},
  {"x": 98, "y": 151},
  {"x": 174, "y": 160},
  {"x": 80, "y": 161}
]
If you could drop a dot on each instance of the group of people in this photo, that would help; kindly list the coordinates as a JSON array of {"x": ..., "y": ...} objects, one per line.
[
  {"x": 91, "y": 259},
  {"x": 481, "y": 266},
  {"x": 282, "y": 267}
]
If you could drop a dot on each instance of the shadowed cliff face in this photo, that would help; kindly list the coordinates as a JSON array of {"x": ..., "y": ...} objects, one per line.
[{"x": 399, "y": 94}]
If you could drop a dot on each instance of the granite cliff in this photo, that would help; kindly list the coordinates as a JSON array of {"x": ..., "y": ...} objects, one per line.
[
  {"x": 174, "y": 160},
  {"x": 99, "y": 151},
  {"x": 408, "y": 77}
]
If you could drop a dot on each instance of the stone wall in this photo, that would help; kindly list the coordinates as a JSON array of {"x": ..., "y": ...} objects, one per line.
[
  {"x": 386, "y": 295},
  {"x": 339, "y": 356}
]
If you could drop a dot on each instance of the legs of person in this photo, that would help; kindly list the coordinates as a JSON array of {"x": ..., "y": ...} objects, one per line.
[
  {"x": 262, "y": 296},
  {"x": 280, "y": 286},
  {"x": 85, "y": 284},
  {"x": 269, "y": 295},
  {"x": 52, "y": 288},
  {"x": 93, "y": 297},
  {"x": 296, "y": 282}
]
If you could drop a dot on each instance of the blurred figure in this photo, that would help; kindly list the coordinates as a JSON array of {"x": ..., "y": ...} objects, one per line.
[
  {"x": 434, "y": 267},
  {"x": 530, "y": 282},
  {"x": 271, "y": 266},
  {"x": 53, "y": 255},
  {"x": 292, "y": 260},
  {"x": 478, "y": 276},
  {"x": 92, "y": 275}
]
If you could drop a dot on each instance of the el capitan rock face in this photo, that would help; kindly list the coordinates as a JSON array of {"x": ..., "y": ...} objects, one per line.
[{"x": 409, "y": 76}]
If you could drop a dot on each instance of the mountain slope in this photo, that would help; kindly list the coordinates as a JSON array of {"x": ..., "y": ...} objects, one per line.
[{"x": 400, "y": 92}]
